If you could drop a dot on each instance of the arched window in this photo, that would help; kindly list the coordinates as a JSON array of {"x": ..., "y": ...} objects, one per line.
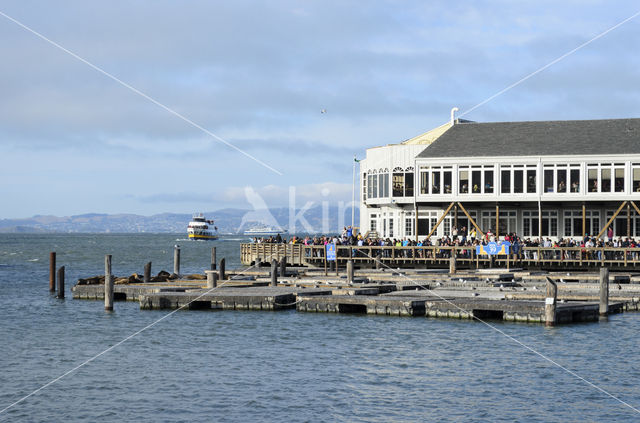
[{"x": 403, "y": 182}]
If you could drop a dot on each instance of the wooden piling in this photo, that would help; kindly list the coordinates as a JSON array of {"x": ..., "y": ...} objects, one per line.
[
  {"x": 221, "y": 271},
  {"x": 60, "y": 283},
  {"x": 452, "y": 263},
  {"x": 147, "y": 273},
  {"x": 52, "y": 271},
  {"x": 379, "y": 261},
  {"x": 274, "y": 272},
  {"x": 212, "y": 278},
  {"x": 283, "y": 267},
  {"x": 350, "y": 271},
  {"x": 604, "y": 291},
  {"x": 213, "y": 258},
  {"x": 176, "y": 260},
  {"x": 550, "y": 303},
  {"x": 108, "y": 284}
]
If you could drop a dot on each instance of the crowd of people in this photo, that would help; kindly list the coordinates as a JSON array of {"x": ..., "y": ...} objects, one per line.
[{"x": 590, "y": 247}]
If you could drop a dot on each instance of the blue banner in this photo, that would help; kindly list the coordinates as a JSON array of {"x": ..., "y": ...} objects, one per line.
[
  {"x": 493, "y": 248},
  {"x": 331, "y": 252}
]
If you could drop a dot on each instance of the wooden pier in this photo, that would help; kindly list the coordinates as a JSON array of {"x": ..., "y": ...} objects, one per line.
[
  {"x": 474, "y": 294},
  {"x": 551, "y": 258}
]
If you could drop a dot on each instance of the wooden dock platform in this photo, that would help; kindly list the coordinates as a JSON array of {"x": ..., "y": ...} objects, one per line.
[
  {"x": 456, "y": 308},
  {"x": 550, "y": 258},
  {"x": 474, "y": 294}
]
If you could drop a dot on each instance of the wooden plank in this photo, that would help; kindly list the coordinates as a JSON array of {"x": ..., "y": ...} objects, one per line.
[
  {"x": 479, "y": 234},
  {"x": 612, "y": 219},
  {"x": 446, "y": 212}
]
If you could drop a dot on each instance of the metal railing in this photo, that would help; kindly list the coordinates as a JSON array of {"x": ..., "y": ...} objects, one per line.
[{"x": 298, "y": 254}]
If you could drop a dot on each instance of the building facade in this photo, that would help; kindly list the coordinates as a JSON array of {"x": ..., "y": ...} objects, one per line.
[{"x": 552, "y": 179}]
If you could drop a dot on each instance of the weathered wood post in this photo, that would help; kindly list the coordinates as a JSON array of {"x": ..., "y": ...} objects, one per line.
[
  {"x": 550, "y": 303},
  {"x": 349, "y": 271},
  {"x": 108, "y": 284},
  {"x": 283, "y": 267},
  {"x": 274, "y": 272},
  {"x": 213, "y": 258},
  {"x": 147, "y": 273},
  {"x": 221, "y": 271},
  {"x": 604, "y": 291},
  {"x": 378, "y": 260},
  {"x": 452, "y": 262},
  {"x": 60, "y": 283},
  {"x": 52, "y": 271},
  {"x": 176, "y": 260},
  {"x": 212, "y": 278}
]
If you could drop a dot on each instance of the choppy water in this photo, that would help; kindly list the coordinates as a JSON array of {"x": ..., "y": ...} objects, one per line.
[{"x": 282, "y": 366}]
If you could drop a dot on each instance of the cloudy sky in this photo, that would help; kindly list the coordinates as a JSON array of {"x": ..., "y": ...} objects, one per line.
[{"x": 258, "y": 75}]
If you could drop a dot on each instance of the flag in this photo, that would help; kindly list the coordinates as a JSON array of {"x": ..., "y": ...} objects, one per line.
[{"x": 356, "y": 160}]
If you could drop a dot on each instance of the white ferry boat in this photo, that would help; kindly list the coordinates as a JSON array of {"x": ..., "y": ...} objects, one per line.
[
  {"x": 201, "y": 228},
  {"x": 265, "y": 231}
]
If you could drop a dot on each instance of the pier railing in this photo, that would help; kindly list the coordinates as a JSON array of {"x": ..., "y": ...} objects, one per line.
[{"x": 434, "y": 256}]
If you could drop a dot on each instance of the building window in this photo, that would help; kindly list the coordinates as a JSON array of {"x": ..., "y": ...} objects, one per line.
[
  {"x": 408, "y": 182},
  {"x": 373, "y": 223},
  {"x": 402, "y": 182},
  {"x": 475, "y": 180},
  {"x": 398, "y": 182},
  {"x": 549, "y": 223},
  {"x": 364, "y": 187},
  {"x": 573, "y": 223},
  {"x": 561, "y": 178},
  {"x": 548, "y": 180},
  {"x": 605, "y": 177},
  {"x": 505, "y": 182},
  {"x": 512, "y": 179},
  {"x": 530, "y": 223},
  {"x": 372, "y": 184},
  {"x": 463, "y": 181},
  {"x": 391, "y": 227},
  {"x": 383, "y": 183},
  {"x": 440, "y": 177},
  {"x": 426, "y": 221},
  {"x": 531, "y": 181},
  {"x": 619, "y": 225},
  {"x": 408, "y": 226},
  {"x": 488, "y": 181},
  {"x": 507, "y": 221},
  {"x": 636, "y": 177},
  {"x": 424, "y": 180}
]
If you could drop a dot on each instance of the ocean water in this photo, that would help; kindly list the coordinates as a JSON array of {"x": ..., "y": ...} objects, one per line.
[{"x": 282, "y": 366}]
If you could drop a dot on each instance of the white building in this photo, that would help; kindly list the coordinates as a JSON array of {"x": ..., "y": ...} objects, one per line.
[{"x": 560, "y": 179}]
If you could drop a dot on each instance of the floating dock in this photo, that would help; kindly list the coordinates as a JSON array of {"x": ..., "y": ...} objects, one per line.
[{"x": 518, "y": 296}]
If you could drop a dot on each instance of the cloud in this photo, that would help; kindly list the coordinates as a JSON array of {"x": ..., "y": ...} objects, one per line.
[
  {"x": 278, "y": 196},
  {"x": 258, "y": 74}
]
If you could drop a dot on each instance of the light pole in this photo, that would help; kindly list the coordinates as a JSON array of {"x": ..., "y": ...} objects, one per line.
[{"x": 353, "y": 194}]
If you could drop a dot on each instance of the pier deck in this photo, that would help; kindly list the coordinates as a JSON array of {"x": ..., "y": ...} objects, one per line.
[{"x": 551, "y": 258}]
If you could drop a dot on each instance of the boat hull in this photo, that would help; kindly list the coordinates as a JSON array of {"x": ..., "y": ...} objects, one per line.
[{"x": 203, "y": 237}]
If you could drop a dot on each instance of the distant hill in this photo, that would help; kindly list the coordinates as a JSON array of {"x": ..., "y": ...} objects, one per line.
[{"x": 227, "y": 220}]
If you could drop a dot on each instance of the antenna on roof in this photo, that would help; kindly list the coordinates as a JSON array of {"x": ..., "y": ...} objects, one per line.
[{"x": 453, "y": 112}]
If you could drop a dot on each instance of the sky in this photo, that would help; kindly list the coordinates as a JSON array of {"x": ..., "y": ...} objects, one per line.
[{"x": 296, "y": 87}]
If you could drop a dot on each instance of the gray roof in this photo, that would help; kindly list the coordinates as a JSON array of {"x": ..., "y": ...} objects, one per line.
[{"x": 545, "y": 138}]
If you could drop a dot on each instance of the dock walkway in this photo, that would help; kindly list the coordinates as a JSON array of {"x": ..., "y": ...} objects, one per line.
[{"x": 551, "y": 258}]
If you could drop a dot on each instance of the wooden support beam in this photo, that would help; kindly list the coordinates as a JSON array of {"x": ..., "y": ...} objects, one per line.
[
  {"x": 497, "y": 221},
  {"x": 446, "y": 212},
  {"x": 584, "y": 220},
  {"x": 415, "y": 229},
  {"x": 473, "y": 222},
  {"x": 635, "y": 207},
  {"x": 455, "y": 218},
  {"x": 628, "y": 220},
  {"x": 612, "y": 219}
]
